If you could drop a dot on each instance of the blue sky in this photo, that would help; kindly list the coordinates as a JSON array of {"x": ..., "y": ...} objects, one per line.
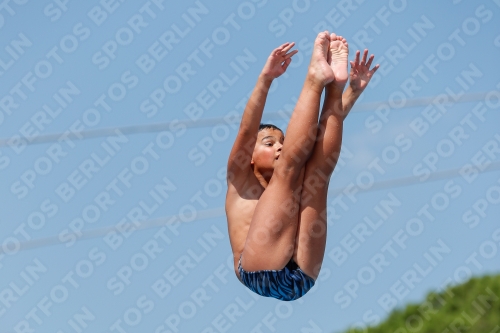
[{"x": 121, "y": 228}]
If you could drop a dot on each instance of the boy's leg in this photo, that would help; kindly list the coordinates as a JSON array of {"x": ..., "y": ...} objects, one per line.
[
  {"x": 311, "y": 235},
  {"x": 271, "y": 236}
]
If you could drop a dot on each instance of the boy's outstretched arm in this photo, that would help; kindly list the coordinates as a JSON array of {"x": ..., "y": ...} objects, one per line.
[
  {"x": 359, "y": 77},
  {"x": 241, "y": 153}
]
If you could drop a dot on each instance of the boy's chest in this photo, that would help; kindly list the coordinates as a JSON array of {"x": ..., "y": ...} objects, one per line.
[
  {"x": 239, "y": 214},
  {"x": 240, "y": 204}
]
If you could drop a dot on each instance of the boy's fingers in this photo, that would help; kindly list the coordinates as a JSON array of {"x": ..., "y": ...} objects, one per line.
[
  {"x": 279, "y": 48},
  {"x": 289, "y": 55},
  {"x": 287, "y": 47},
  {"x": 354, "y": 68},
  {"x": 357, "y": 57},
  {"x": 375, "y": 69},
  {"x": 369, "y": 63},
  {"x": 365, "y": 54},
  {"x": 286, "y": 63}
]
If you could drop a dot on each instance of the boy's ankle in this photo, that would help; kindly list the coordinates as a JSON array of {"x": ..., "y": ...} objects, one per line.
[
  {"x": 335, "y": 87},
  {"x": 314, "y": 82}
]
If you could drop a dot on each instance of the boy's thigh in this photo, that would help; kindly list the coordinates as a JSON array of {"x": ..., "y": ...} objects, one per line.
[
  {"x": 271, "y": 236},
  {"x": 311, "y": 237},
  {"x": 315, "y": 181}
]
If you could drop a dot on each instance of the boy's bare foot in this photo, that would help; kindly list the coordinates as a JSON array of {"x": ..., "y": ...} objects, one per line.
[
  {"x": 319, "y": 69},
  {"x": 337, "y": 58}
]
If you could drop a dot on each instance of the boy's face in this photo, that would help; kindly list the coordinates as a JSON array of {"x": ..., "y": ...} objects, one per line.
[{"x": 267, "y": 148}]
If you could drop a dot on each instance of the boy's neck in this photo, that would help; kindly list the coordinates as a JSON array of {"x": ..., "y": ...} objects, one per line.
[{"x": 262, "y": 178}]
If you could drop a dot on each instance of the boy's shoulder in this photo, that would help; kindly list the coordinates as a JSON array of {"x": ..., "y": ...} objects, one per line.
[{"x": 244, "y": 186}]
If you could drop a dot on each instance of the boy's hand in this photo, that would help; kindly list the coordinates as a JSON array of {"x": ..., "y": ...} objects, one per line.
[
  {"x": 361, "y": 74},
  {"x": 278, "y": 61}
]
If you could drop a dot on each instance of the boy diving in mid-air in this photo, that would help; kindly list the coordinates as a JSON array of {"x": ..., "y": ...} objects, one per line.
[{"x": 277, "y": 187}]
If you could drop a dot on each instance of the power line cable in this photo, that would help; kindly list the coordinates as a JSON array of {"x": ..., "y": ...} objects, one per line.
[
  {"x": 210, "y": 122},
  {"x": 220, "y": 211}
]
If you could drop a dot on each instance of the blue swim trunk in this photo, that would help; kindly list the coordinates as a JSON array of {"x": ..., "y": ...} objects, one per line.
[{"x": 287, "y": 284}]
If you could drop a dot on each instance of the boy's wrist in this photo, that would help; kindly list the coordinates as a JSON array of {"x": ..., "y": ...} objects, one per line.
[
  {"x": 266, "y": 79},
  {"x": 356, "y": 90}
]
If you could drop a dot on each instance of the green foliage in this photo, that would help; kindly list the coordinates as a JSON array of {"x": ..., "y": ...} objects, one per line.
[{"x": 473, "y": 307}]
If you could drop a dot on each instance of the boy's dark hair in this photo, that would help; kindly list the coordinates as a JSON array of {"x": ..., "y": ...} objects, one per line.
[{"x": 262, "y": 126}]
